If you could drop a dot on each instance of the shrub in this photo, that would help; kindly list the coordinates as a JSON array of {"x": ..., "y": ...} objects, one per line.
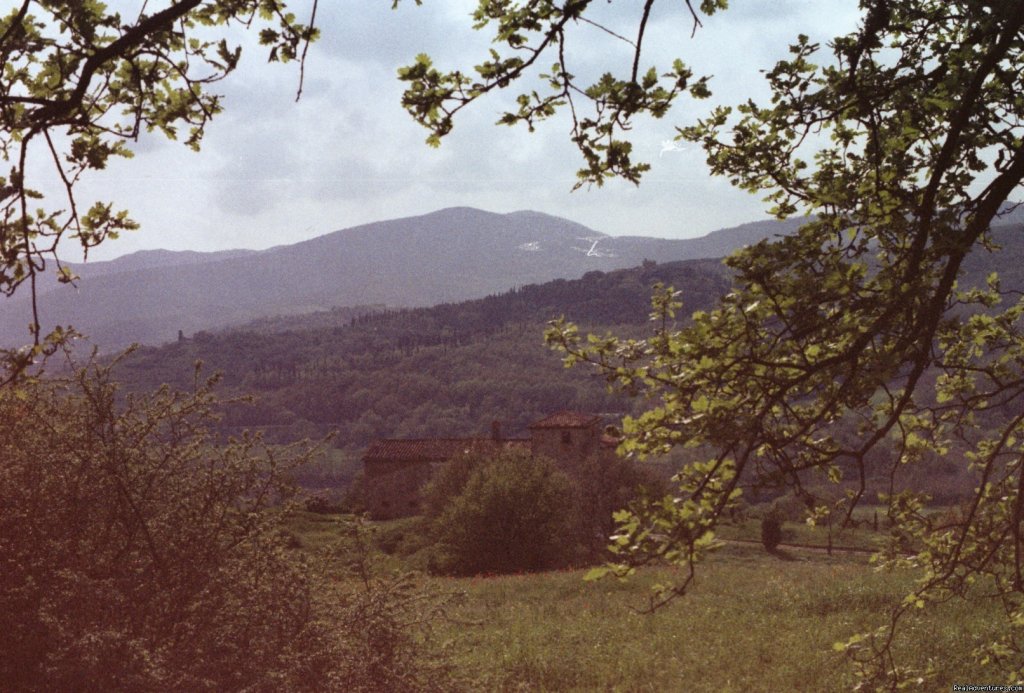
[
  {"x": 601, "y": 487},
  {"x": 771, "y": 532},
  {"x": 509, "y": 516},
  {"x": 448, "y": 482},
  {"x": 386, "y": 622},
  {"x": 137, "y": 556},
  {"x": 584, "y": 509}
]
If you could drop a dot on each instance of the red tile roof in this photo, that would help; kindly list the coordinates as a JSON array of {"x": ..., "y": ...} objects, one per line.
[
  {"x": 435, "y": 449},
  {"x": 567, "y": 419}
]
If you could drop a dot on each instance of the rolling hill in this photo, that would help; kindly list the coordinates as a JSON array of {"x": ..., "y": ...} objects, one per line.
[
  {"x": 449, "y": 255},
  {"x": 451, "y": 367},
  {"x": 414, "y": 372}
]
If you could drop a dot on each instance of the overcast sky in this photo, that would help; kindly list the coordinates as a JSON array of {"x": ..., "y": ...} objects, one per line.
[{"x": 272, "y": 171}]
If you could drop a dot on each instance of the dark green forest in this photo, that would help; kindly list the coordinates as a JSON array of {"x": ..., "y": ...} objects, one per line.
[{"x": 448, "y": 370}]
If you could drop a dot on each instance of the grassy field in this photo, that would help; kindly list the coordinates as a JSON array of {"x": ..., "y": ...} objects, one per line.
[
  {"x": 801, "y": 533},
  {"x": 753, "y": 622}
]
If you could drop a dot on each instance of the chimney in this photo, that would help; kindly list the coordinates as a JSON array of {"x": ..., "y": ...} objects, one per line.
[{"x": 496, "y": 431}]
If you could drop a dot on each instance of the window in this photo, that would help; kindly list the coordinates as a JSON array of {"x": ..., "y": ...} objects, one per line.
[{"x": 566, "y": 437}]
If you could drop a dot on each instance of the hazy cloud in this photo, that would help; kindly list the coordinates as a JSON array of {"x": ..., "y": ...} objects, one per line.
[{"x": 275, "y": 171}]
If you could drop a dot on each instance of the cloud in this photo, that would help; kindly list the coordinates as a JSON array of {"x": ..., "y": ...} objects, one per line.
[
  {"x": 275, "y": 171},
  {"x": 373, "y": 32}
]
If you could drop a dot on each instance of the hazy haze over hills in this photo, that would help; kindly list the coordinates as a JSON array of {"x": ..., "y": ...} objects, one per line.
[{"x": 449, "y": 255}]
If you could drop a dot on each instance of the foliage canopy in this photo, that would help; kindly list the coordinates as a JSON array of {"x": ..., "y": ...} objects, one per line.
[
  {"x": 901, "y": 143},
  {"x": 134, "y": 555},
  {"x": 500, "y": 515},
  {"x": 513, "y": 512},
  {"x": 138, "y": 554},
  {"x": 78, "y": 84}
]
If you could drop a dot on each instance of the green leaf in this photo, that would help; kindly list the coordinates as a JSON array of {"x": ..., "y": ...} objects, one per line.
[{"x": 597, "y": 573}]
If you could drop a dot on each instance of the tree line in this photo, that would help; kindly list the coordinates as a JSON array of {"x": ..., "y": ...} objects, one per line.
[{"x": 448, "y": 370}]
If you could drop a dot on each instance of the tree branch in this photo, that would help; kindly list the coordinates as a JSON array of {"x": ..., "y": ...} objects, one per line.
[{"x": 117, "y": 48}]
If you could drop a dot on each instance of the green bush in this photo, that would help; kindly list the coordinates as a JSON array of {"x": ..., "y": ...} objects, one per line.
[
  {"x": 771, "y": 532},
  {"x": 448, "y": 482},
  {"x": 509, "y": 515},
  {"x": 386, "y": 622},
  {"x": 137, "y": 555},
  {"x": 603, "y": 485}
]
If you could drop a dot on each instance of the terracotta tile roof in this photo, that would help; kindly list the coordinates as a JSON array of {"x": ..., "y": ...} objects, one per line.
[
  {"x": 434, "y": 449},
  {"x": 567, "y": 419}
]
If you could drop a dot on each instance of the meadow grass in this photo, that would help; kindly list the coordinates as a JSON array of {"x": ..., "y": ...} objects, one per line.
[
  {"x": 753, "y": 621},
  {"x": 861, "y": 538}
]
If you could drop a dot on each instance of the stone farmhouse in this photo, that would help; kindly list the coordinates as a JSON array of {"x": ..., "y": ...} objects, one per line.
[{"x": 396, "y": 469}]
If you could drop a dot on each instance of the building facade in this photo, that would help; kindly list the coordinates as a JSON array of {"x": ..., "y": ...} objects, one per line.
[{"x": 395, "y": 470}]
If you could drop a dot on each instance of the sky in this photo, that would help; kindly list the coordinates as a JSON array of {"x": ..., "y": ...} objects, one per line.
[{"x": 272, "y": 171}]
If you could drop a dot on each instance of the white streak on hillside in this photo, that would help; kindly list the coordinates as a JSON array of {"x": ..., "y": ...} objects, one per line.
[{"x": 593, "y": 251}]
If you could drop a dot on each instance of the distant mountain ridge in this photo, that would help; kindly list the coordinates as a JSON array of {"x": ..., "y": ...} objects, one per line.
[
  {"x": 148, "y": 259},
  {"x": 450, "y": 255}
]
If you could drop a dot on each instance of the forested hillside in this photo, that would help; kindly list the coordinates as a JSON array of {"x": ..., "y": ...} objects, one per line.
[
  {"x": 451, "y": 369},
  {"x": 446, "y": 370}
]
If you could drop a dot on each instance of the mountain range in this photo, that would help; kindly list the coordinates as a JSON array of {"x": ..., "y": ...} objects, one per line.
[
  {"x": 367, "y": 372},
  {"x": 450, "y": 255}
]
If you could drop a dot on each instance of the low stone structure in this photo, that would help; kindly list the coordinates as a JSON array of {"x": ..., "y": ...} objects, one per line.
[{"x": 396, "y": 469}]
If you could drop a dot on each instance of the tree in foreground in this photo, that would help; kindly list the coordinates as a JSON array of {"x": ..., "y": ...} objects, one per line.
[
  {"x": 138, "y": 555},
  {"x": 901, "y": 143},
  {"x": 78, "y": 84}
]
